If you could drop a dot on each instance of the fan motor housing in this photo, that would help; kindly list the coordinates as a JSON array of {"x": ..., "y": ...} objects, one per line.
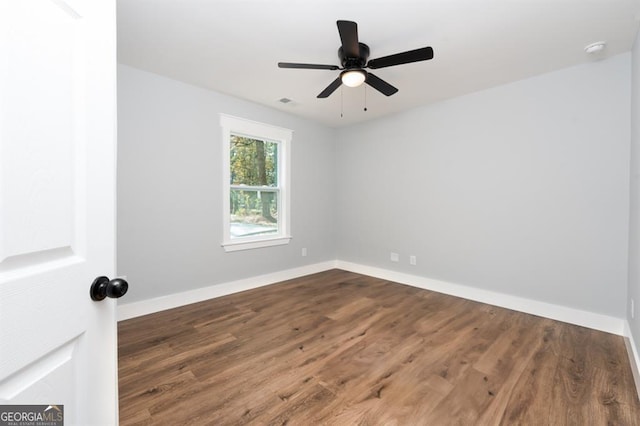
[{"x": 350, "y": 63}]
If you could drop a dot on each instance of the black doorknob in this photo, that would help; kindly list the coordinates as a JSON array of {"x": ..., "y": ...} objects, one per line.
[{"x": 103, "y": 287}]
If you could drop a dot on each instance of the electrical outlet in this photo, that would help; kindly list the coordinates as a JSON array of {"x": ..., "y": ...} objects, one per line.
[
  {"x": 395, "y": 257},
  {"x": 412, "y": 260},
  {"x": 304, "y": 251}
]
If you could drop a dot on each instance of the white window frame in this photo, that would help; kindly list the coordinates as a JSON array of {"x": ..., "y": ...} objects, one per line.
[{"x": 255, "y": 130}]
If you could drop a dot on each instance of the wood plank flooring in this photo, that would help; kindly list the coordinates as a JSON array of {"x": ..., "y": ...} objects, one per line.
[{"x": 338, "y": 348}]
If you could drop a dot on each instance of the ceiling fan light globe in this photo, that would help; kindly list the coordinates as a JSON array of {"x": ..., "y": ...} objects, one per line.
[{"x": 353, "y": 78}]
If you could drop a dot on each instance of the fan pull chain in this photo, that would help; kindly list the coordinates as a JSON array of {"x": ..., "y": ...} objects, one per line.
[
  {"x": 365, "y": 98},
  {"x": 341, "y": 102}
]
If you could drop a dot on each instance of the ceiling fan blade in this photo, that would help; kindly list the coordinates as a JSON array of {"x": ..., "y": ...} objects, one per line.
[
  {"x": 380, "y": 85},
  {"x": 349, "y": 36},
  {"x": 307, "y": 66},
  {"x": 330, "y": 88},
  {"x": 416, "y": 55}
]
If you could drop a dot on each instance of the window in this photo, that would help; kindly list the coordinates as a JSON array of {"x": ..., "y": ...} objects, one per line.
[{"x": 256, "y": 184}]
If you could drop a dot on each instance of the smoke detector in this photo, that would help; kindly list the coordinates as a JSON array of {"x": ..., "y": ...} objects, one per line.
[{"x": 596, "y": 47}]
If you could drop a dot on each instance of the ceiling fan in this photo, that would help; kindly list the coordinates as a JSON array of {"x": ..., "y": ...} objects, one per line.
[{"x": 353, "y": 58}]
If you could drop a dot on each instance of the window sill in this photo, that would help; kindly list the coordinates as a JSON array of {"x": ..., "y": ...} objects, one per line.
[{"x": 249, "y": 245}]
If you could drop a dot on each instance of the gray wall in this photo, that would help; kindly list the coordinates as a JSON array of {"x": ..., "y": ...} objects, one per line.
[
  {"x": 520, "y": 189},
  {"x": 634, "y": 222},
  {"x": 170, "y": 183}
]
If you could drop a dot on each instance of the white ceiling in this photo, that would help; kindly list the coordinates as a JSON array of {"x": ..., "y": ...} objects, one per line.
[{"x": 233, "y": 46}]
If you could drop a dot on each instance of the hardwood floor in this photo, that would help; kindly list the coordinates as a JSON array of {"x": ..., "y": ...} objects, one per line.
[{"x": 338, "y": 348}]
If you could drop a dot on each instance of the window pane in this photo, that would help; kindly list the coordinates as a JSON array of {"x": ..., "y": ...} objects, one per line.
[
  {"x": 253, "y": 162},
  {"x": 253, "y": 213}
]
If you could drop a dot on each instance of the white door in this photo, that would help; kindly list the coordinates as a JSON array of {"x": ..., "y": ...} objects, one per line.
[{"x": 57, "y": 199}]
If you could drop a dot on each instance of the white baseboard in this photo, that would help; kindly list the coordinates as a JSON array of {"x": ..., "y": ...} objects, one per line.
[
  {"x": 144, "y": 307},
  {"x": 592, "y": 320},
  {"x": 634, "y": 357},
  {"x": 561, "y": 313}
]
